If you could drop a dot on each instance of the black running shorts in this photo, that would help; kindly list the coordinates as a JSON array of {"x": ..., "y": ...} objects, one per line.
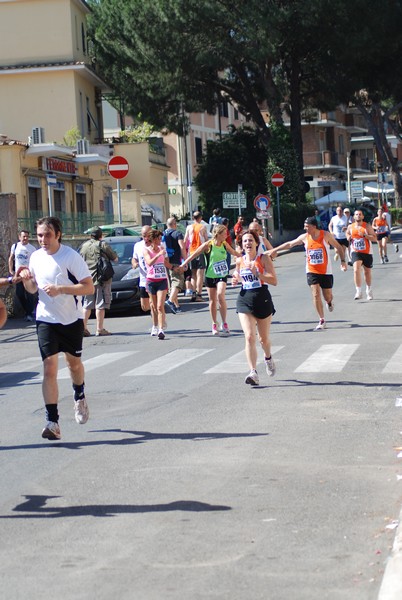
[{"x": 54, "y": 338}]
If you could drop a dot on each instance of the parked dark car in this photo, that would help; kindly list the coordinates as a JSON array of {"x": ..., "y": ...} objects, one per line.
[
  {"x": 118, "y": 230},
  {"x": 125, "y": 283}
]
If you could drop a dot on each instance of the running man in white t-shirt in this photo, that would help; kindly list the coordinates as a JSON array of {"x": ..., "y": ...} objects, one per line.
[{"x": 60, "y": 275}]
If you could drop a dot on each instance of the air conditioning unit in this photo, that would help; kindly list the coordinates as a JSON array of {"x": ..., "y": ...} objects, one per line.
[
  {"x": 38, "y": 135},
  {"x": 82, "y": 147}
]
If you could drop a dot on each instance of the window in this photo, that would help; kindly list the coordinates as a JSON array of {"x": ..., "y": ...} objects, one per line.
[
  {"x": 35, "y": 199},
  {"x": 84, "y": 39},
  {"x": 224, "y": 109},
  {"x": 88, "y": 116},
  {"x": 236, "y": 114},
  {"x": 341, "y": 145},
  {"x": 198, "y": 150}
]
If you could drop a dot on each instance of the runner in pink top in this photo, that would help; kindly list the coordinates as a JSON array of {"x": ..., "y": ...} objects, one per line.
[{"x": 157, "y": 282}]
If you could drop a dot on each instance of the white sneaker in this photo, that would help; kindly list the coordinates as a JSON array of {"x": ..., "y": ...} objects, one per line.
[
  {"x": 358, "y": 296},
  {"x": 270, "y": 366},
  {"x": 215, "y": 330},
  {"x": 51, "y": 431},
  {"x": 224, "y": 329},
  {"x": 330, "y": 306},
  {"x": 369, "y": 295},
  {"x": 154, "y": 330},
  {"x": 252, "y": 378},
  {"x": 321, "y": 325},
  {"x": 81, "y": 411}
]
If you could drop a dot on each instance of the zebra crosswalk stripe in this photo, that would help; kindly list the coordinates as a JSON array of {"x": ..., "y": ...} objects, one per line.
[
  {"x": 236, "y": 363},
  {"x": 394, "y": 365},
  {"x": 329, "y": 358},
  {"x": 168, "y": 362},
  {"x": 98, "y": 361}
]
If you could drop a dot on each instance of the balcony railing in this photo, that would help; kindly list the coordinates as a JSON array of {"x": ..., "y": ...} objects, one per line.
[
  {"x": 73, "y": 224},
  {"x": 324, "y": 158}
]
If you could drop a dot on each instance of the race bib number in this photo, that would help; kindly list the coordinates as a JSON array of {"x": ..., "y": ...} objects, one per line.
[
  {"x": 249, "y": 280},
  {"x": 316, "y": 257},
  {"x": 381, "y": 229},
  {"x": 160, "y": 272},
  {"x": 220, "y": 268},
  {"x": 359, "y": 244}
]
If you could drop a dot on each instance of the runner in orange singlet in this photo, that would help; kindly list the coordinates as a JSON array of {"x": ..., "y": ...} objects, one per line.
[
  {"x": 380, "y": 226},
  {"x": 318, "y": 264},
  {"x": 360, "y": 235},
  {"x": 196, "y": 234}
]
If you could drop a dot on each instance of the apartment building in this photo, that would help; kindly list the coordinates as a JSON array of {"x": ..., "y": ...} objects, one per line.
[
  {"x": 46, "y": 77},
  {"x": 49, "y": 87}
]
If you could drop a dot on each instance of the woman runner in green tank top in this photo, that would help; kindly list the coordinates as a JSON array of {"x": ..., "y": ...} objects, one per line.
[{"x": 216, "y": 274}]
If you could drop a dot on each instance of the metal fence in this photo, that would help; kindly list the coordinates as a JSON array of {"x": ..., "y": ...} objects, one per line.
[{"x": 73, "y": 224}]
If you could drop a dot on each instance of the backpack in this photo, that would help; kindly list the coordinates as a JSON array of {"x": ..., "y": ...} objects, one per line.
[{"x": 105, "y": 269}]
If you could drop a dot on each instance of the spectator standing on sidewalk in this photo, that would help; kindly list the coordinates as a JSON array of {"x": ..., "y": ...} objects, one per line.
[
  {"x": 60, "y": 275},
  {"x": 101, "y": 298},
  {"x": 176, "y": 252},
  {"x": 19, "y": 257}
]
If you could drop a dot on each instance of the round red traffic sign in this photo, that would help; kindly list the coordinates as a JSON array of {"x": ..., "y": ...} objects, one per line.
[
  {"x": 262, "y": 202},
  {"x": 118, "y": 167},
  {"x": 277, "y": 179}
]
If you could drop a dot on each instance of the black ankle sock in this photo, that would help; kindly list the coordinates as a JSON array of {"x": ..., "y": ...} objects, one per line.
[
  {"x": 79, "y": 391},
  {"x": 52, "y": 414}
]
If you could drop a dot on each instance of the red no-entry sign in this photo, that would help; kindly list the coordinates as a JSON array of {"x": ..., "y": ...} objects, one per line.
[
  {"x": 277, "y": 179},
  {"x": 118, "y": 167}
]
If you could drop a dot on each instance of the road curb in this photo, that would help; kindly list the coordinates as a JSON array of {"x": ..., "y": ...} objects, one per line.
[{"x": 391, "y": 586}]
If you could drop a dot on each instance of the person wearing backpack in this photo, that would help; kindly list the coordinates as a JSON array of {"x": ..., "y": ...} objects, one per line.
[{"x": 100, "y": 300}]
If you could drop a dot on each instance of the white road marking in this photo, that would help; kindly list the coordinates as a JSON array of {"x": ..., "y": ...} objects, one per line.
[
  {"x": 26, "y": 364},
  {"x": 236, "y": 363},
  {"x": 329, "y": 358},
  {"x": 394, "y": 365},
  {"x": 166, "y": 363},
  {"x": 99, "y": 361}
]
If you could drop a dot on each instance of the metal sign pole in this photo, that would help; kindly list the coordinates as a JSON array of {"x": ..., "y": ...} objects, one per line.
[
  {"x": 279, "y": 213},
  {"x": 119, "y": 201},
  {"x": 239, "y": 190},
  {"x": 49, "y": 194}
]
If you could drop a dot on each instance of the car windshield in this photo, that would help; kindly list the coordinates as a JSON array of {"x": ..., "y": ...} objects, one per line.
[{"x": 124, "y": 251}]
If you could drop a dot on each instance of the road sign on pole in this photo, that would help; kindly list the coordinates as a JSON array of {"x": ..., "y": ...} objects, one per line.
[
  {"x": 231, "y": 199},
  {"x": 356, "y": 190},
  {"x": 262, "y": 202},
  {"x": 277, "y": 179},
  {"x": 118, "y": 167}
]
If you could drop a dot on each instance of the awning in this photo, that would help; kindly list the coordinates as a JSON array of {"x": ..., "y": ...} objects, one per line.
[{"x": 372, "y": 187}]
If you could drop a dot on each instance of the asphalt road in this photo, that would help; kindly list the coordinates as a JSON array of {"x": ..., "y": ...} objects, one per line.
[{"x": 187, "y": 483}]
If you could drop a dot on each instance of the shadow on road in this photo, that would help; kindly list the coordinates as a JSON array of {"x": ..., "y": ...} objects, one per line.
[{"x": 37, "y": 509}]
